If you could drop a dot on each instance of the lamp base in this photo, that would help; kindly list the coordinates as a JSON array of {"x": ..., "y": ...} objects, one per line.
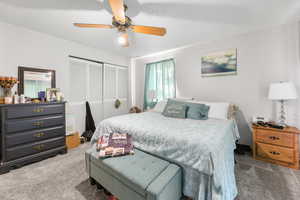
[{"x": 282, "y": 115}]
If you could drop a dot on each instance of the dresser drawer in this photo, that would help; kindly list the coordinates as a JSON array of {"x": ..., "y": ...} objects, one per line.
[
  {"x": 12, "y": 126},
  {"x": 274, "y": 137},
  {"x": 33, "y": 110},
  {"x": 34, "y": 148},
  {"x": 275, "y": 152},
  {"x": 34, "y": 136}
]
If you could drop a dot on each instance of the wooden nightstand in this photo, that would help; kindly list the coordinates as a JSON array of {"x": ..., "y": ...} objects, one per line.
[{"x": 276, "y": 146}]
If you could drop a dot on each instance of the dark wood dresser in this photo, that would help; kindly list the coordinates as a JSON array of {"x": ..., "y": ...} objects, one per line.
[{"x": 30, "y": 133}]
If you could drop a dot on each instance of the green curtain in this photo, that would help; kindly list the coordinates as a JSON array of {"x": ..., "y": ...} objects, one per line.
[{"x": 160, "y": 78}]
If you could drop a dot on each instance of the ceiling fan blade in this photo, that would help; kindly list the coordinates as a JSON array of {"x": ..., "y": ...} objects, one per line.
[
  {"x": 149, "y": 30},
  {"x": 92, "y": 25},
  {"x": 118, "y": 10}
]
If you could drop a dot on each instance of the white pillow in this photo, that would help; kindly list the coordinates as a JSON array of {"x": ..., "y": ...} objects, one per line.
[
  {"x": 160, "y": 106},
  {"x": 216, "y": 110}
]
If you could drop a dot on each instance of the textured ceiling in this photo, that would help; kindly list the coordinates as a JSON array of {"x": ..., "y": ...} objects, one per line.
[{"x": 187, "y": 22}]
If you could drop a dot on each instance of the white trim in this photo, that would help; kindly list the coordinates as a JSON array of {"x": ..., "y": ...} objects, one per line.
[
  {"x": 81, "y": 61},
  {"x": 116, "y": 66}
]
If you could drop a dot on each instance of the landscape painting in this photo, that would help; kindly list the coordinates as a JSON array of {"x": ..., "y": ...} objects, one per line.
[{"x": 220, "y": 63}]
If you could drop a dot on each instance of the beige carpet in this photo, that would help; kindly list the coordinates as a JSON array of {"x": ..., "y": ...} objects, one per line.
[{"x": 63, "y": 178}]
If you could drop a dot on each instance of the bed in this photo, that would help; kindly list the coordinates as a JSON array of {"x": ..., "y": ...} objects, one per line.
[{"x": 203, "y": 148}]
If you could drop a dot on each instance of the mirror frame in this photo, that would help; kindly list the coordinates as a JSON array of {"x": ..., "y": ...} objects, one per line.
[{"x": 21, "y": 71}]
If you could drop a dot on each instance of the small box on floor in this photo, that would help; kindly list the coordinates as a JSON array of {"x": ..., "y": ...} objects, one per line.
[{"x": 73, "y": 140}]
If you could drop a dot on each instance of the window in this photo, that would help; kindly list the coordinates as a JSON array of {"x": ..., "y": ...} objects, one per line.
[{"x": 159, "y": 82}]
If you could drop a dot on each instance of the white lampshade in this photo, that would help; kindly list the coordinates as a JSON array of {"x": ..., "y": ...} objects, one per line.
[{"x": 282, "y": 91}]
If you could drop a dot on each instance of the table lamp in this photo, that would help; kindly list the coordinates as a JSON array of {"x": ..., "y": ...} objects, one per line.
[{"x": 282, "y": 92}]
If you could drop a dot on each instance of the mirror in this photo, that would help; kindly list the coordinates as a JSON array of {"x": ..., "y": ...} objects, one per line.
[{"x": 34, "y": 80}]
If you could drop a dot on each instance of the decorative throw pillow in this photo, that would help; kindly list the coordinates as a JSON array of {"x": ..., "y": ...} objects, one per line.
[
  {"x": 115, "y": 144},
  {"x": 217, "y": 110},
  {"x": 175, "y": 109},
  {"x": 197, "y": 111}
]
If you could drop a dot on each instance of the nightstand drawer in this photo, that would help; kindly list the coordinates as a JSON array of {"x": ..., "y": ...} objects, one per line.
[
  {"x": 275, "y": 152},
  {"x": 274, "y": 137}
]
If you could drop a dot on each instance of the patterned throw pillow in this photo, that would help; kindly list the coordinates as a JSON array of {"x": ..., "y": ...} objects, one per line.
[
  {"x": 175, "y": 109},
  {"x": 197, "y": 111},
  {"x": 115, "y": 144}
]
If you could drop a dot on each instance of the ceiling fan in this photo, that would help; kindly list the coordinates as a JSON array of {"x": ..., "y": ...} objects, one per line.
[{"x": 123, "y": 23}]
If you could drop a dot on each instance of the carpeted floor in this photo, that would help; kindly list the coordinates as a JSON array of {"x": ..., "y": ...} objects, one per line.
[{"x": 63, "y": 178}]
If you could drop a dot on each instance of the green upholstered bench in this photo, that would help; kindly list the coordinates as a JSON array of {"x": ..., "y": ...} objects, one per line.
[{"x": 136, "y": 177}]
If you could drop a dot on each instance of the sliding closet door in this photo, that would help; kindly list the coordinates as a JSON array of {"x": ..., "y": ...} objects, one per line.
[
  {"x": 75, "y": 110},
  {"x": 122, "y": 89},
  {"x": 95, "y": 89},
  {"x": 86, "y": 84},
  {"x": 101, "y": 86},
  {"x": 115, "y": 88}
]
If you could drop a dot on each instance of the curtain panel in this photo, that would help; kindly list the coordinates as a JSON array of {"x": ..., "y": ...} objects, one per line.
[{"x": 159, "y": 82}]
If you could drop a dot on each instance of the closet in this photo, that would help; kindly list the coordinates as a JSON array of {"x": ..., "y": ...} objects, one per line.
[{"x": 100, "y": 84}]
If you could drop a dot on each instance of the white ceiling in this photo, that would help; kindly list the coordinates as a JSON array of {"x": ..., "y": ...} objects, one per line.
[{"x": 187, "y": 21}]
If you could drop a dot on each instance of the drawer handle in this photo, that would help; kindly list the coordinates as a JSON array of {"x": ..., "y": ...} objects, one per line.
[
  {"x": 38, "y": 110},
  {"x": 274, "y": 138},
  {"x": 39, "y": 147},
  {"x": 38, "y": 123},
  {"x": 274, "y": 153},
  {"x": 38, "y": 135}
]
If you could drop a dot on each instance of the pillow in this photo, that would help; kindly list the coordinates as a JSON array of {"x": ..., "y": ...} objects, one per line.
[
  {"x": 160, "y": 106},
  {"x": 197, "y": 111},
  {"x": 216, "y": 110},
  {"x": 175, "y": 109}
]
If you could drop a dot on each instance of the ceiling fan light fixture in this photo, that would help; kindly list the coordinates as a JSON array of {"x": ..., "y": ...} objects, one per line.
[{"x": 123, "y": 39}]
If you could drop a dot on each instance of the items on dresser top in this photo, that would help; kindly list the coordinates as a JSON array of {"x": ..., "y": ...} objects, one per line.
[
  {"x": 278, "y": 146},
  {"x": 31, "y": 132},
  {"x": 268, "y": 124}
]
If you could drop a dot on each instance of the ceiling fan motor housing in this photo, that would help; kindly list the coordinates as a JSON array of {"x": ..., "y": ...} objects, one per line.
[{"x": 122, "y": 27}]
